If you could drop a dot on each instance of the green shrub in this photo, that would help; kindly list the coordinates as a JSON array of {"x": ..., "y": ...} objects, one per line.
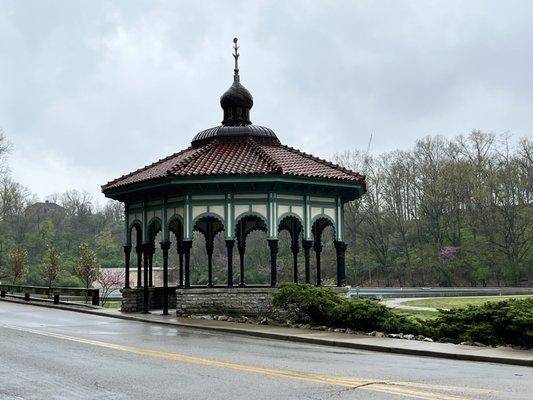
[
  {"x": 322, "y": 306},
  {"x": 493, "y": 323},
  {"x": 306, "y": 303}
]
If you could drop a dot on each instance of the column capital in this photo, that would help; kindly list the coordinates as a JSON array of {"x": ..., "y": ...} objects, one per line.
[
  {"x": 165, "y": 245},
  {"x": 340, "y": 245},
  {"x": 230, "y": 243},
  {"x": 127, "y": 248}
]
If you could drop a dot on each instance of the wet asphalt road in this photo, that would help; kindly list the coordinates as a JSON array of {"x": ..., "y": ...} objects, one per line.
[{"x": 54, "y": 354}]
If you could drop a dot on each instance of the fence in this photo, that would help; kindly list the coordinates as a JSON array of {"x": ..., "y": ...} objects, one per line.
[{"x": 93, "y": 294}]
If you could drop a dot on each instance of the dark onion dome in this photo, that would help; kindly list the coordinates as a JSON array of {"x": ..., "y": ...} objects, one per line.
[
  {"x": 236, "y": 126},
  {"x": 235, "y": 134}
]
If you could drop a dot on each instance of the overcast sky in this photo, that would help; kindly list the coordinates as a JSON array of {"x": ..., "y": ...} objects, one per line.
[{"x": 90, "y": 90}]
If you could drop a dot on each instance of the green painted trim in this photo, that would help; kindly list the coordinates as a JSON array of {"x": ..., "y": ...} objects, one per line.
[
  {"x": 209, "y": 214},
  {"x": 289, "y": 214},
  {"x": 237, "y": 179}
]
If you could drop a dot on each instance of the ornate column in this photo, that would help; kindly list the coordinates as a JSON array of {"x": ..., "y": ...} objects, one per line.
[
  {"x": 317, "y": 246},
  {"x": 307, "y": 245},
  {"x": 229, "y": 246},
  {"x": 179, "y": 245},
  {"x": 295, "y": 249},
  {"x": 150, "y": 264},
  {"x": 273, "y": 245},
  {"x": 127, "y": 253},
  {"x": 340, "y": 248},
  {"x": 242, "y": 250},
  {"x": 165, "y": 246},
  {"x": 187, "y": 244},
  {"x": 139, "y": 251},
  {"x": 209, "y": 247},
  {"x": 146, "y": 256}
]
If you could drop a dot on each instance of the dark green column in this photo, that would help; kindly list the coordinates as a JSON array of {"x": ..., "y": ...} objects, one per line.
[
  {"x": 340, "y": 248},
  {"x": 165, "y": 246},
  {"x": 127, "y": 253},
  {"x": 273, "y": 245}
]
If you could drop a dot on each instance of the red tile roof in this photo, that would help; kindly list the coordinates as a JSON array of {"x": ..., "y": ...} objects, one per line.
[{"x": 243, "y": 158}]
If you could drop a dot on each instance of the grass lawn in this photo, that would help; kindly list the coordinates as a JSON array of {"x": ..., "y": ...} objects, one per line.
[
  {"x": 112, "y": 304},
  {"x": 455, "y": 302}
]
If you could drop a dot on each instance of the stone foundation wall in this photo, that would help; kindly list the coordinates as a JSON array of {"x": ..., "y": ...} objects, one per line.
[
  {"x": 252, "y": 302},
  {"x": 225, "y": 301},
  {"x": 132, "y": 299}
]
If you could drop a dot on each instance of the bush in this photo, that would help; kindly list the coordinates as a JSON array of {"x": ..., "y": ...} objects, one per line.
[
  {"x": 493, "y": 323},
  {"x": 322, "y": 306},
  {"x": 306, "y": 303}
]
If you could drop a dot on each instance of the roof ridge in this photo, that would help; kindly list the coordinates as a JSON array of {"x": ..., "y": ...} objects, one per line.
[
  {"x": 194, "y": 156},
  {"x": 265, "y": 156},
  {"x": 325, "y": 162},
  {"x": 162, "y": 160}
]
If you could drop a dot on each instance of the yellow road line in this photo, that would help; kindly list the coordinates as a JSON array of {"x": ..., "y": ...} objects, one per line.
[{"x": 408, "y": 389}]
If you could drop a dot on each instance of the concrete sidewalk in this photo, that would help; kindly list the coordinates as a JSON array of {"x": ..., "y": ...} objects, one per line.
[{"x": 501, "y": 355}]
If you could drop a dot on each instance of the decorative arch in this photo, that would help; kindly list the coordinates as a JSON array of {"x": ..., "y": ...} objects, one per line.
[
  {"x": 154, "y": 226},
  {"x": 176, "y": 226},
  {"x": 248, "y": 222},
  {"x": 208, "y": 214},
  {"x": 290, "y": 214},
  {"x": 137, "y": 225},
  {"x": 247, "y": 214},
  {"x": 319, "y": 223}
]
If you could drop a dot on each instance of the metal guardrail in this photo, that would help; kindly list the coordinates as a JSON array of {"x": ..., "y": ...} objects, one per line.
[
  {"x": 94, "y": 294},
  {"x": 436, "y": 292}
]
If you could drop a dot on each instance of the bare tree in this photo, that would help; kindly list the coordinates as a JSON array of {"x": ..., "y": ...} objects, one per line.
[
  {"x": 17, "y": 262},
  {"x": 109, "y": 279},
  {"x": 52, "y": 265},
  {"x": 87, "y": 266}
]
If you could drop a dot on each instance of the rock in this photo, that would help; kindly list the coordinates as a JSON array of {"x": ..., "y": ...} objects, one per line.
[
  {"x": 478, "y": 344},
  {"x": 420, "y": 337},
  {"x": 223, "y": 317},
  {"x": 409, "y": 337},
  {"x": 330, "y": 329},
  {"x": 348, "y": 330},
  {"x": 373, "y": 333},
  {"x": 475, "y": 344},
  {"x": 230, "y": 319},
  {"x": 295, "y": 326},
  {"x": 395, "y": 335},
  {"x": 315, "y": 328},
  {"x": 428, "y": 339},
  {"x": 323, "y": 328},
  {"x": 380, "y": 334},
  {"x": 306, "y": 326},
  {"x": 339, "y": 330},
  {"x": 264, "y": 321}
]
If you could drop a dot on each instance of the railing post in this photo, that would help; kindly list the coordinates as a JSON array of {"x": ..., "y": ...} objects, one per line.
[
  {"x": 95, "y": 297},
  {"x": 3, "y": 293},
  {"x": 26, "y": 297},
  {"x": 56, "y": 299}
]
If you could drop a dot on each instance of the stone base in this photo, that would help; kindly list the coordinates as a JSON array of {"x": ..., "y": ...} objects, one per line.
[
  {"x": 253, "y": 302},
  {"x": 132, "y": 299}
]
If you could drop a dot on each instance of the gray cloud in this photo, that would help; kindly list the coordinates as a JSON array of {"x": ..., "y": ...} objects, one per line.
[{"x": 91, "y": 90}]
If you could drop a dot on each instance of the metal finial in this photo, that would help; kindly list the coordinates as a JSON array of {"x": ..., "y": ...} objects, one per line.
[{"x": 236, "y": 56}]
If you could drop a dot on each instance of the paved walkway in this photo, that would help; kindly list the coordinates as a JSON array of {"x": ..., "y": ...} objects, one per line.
[
  {"x": 400, "y": 346},
  {"x": 398, "y": 303}
]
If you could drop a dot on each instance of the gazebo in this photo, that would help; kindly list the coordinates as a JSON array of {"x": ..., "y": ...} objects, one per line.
[{"x": 234, "y": 178}]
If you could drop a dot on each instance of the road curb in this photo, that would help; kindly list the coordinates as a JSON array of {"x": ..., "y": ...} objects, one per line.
[{"x": 294, "y": 338}]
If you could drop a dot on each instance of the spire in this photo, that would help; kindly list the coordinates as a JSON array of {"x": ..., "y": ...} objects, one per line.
[
  {"x": 236, "y": 55},
  {"x": 237, "y": 100}
]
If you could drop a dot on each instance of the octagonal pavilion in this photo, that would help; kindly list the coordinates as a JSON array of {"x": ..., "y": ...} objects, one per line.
[{"x": 234, "y": 178}]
